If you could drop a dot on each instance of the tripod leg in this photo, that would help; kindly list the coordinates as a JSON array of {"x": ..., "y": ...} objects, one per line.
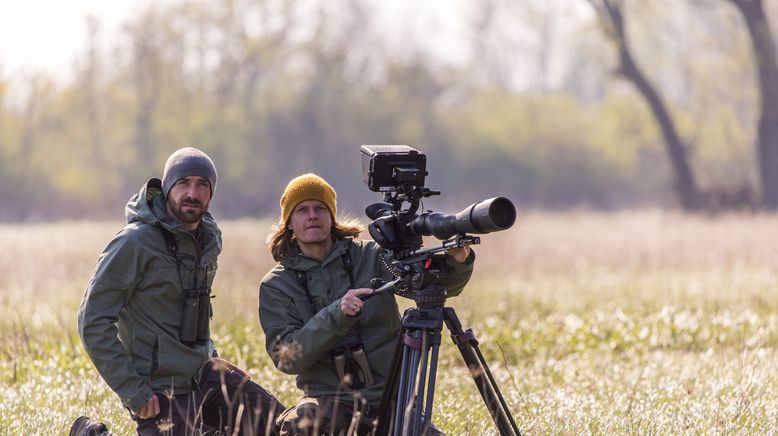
[
  {"x": 417, "y": 370},
  {"x": 421, "y": 378},
  {"x": 433, "y": 365},
  {"x": 398, "y": 391},
  {"x": 407, "y": 396},
  {"x": 402, "y": 391},
  {"x": 389, "y": 396},
  {"x": 479, "y": 370}
]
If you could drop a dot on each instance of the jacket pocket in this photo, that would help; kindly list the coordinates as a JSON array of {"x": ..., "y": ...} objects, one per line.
[
  {"x": 178, "y": 361},
  {"x": 155, "y": 355},
  {"x": 142, "y": 352}
]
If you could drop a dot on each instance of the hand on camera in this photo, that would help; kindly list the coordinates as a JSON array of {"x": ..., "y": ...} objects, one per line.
[
  {"x": 459, "y": 254},
  {"x": 350, "y": 304}
]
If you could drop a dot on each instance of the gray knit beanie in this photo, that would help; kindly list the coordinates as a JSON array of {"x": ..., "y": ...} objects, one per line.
[{"x": 187, "y": 162}]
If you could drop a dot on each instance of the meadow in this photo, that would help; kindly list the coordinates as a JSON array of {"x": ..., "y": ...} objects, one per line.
[{"x": 645, "y": 322}]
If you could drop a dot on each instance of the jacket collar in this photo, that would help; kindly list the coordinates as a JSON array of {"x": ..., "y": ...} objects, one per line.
[
  {"x": 148, "y": 206},
  {"x": 294, "y": 259}
]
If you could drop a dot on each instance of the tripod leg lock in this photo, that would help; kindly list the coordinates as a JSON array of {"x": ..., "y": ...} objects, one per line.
[
  {"x": 465, "y": 337},
  {"x": 412, "y": 342}
]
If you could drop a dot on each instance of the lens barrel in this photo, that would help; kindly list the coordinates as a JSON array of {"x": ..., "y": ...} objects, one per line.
[{"x": 485, "y": 216}]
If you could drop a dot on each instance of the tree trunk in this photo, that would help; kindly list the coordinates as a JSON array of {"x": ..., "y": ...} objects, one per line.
[
  {"x": 767, "y": 68},
  {"x": 684, "y": 183}
]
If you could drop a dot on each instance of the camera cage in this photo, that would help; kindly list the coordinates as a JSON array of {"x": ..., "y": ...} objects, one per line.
[{"x": 398, "y": 171}]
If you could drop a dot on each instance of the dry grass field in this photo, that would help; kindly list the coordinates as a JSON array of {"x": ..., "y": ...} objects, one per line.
[{"x": 633, "y": 323}]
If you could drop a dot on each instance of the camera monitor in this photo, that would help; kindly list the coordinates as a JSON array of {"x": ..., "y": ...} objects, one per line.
[{"x": 389, "y": 167}]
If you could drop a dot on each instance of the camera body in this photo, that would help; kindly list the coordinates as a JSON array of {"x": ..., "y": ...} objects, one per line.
[{"x": 399, "y": 172}]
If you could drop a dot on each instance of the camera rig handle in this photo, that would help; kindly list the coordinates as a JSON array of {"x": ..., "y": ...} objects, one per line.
[
  {"x": 380, "y": 286},
  {"x": 417, "y": 256},
  {"x": 411, "y": 194},
  {"x": 383, "y": 286},
  {"x": 462, "y": 240}
]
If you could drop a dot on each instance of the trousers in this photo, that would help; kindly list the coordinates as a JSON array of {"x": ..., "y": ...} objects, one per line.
[{"x": 226, "y": 400}]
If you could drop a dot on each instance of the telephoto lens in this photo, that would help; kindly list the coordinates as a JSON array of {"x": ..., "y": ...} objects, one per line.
[{"x": 484, "y": 216}]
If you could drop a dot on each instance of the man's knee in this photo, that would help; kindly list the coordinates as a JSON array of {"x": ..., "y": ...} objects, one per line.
[
  {"x": 261, "y": 399},
  {"x": 304, "y": 418}
]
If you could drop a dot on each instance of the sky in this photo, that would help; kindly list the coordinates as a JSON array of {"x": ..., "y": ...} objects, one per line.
[
  {"x": 46, "y": 35},
  {"x": 49, "y": 36}
]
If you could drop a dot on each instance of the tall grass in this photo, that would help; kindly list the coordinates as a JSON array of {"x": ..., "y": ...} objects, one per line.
[{"x": 632, "y": 323}]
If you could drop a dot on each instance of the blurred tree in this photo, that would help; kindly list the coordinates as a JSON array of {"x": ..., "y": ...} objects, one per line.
[
  {"x": 612, "y": 16},
  {"x": 493, "y": 67},
  {"x": 763, "y": 46},
  {"x": 29, "y": 159},
  {"x": 273, "y": 88},
  {"x": 6, "y": 180},
  {"x": 147, "y": 81},
  {"x": 90, "y": 85},
  {"x": 705, "y": 51}
]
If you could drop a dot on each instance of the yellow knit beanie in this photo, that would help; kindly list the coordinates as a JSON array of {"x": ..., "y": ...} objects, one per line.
[{"x": 307, "y": 187}]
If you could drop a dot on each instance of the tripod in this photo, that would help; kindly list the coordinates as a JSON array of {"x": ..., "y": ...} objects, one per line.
[{"x": 410, "y": 387}]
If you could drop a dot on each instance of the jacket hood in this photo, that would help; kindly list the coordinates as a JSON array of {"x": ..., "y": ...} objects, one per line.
[
  {"x": 148, "y": 206},
  {"x": 141, "y": 207}
]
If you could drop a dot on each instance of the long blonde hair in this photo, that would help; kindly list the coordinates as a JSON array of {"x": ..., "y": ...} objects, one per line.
[{"x": 282, "y": 237}]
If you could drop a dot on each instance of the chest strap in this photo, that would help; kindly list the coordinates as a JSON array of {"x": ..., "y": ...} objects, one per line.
[
  {"x": 348, "y": 265},
  {"x": 303, "y": 281},
  {"x": 170, "y": 240},
  {"x": 348, "y": 353}
]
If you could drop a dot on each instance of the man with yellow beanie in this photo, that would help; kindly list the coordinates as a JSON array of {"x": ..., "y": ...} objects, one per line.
[{"x": 316, "y": 327}]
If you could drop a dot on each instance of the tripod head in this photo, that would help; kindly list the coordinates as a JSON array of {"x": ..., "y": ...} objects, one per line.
[{"x": 419, "y": 276}]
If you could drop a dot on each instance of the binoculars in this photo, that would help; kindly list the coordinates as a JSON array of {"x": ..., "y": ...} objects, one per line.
[{"x": 195, "y": 316}]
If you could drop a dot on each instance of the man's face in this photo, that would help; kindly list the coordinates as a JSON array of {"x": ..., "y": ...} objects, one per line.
[
  {"x": 311, "y": 222},
  {"x": 188, "y": 200}
]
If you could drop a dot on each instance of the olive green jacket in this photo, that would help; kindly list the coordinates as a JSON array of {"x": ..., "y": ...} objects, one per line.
[
  {"x": 130, "y": 316},
  {"x": 299, "y": 341}
]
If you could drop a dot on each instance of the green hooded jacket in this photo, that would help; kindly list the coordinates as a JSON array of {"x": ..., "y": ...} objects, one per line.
[
  {"x": 130, "y": 317},
  {"x": 299, "y": 341}
]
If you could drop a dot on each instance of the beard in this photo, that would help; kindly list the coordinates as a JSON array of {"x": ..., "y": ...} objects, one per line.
[{"x": 188, "y": 211}]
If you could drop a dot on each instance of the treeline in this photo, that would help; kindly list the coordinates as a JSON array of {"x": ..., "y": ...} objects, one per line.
[{"x": 272, "y": 89}]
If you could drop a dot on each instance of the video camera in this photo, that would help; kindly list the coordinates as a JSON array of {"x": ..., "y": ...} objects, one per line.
[{"x": 399, "y": 172}]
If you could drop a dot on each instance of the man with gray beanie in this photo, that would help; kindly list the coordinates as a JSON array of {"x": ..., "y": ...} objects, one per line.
[{"x": 145, "y": 316}]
